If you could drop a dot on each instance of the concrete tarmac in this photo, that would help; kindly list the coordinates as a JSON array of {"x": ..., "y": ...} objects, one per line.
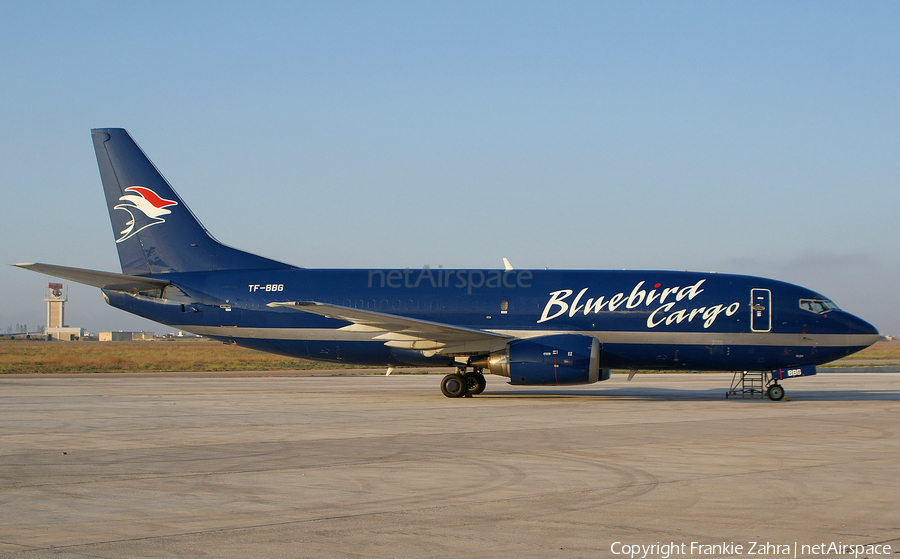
[{"x": 374, "y": 466}]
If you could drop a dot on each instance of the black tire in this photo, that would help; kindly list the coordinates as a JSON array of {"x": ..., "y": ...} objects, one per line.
[
  {"x": 475, "y": 382},
  {"x": 453, "y": 386},
  {"x": 775, "y": 392}
]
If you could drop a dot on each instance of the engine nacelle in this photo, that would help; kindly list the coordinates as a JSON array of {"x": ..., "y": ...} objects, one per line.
[{"x": 554, "y": 360}]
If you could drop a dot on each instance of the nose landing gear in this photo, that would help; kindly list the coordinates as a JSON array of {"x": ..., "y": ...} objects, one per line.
[
  {"x": 461, "y": 383},
  {"x": 775, "y": 392}
]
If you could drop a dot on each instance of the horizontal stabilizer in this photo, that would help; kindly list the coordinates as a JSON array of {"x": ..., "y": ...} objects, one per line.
[{"x": 103, "y": 280}]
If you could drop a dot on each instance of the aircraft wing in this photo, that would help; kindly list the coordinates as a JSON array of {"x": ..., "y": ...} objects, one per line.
[
  {"x": 103, "y": 280},
  {"x": 407, "y": 333}
]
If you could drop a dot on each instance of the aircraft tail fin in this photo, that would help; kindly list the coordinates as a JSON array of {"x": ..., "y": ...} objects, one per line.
[{"x": 155, "y": 231}]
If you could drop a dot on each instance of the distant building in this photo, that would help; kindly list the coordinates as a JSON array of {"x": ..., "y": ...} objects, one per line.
[
  {"x": 126, "y": 336},
  {"x": 114, "y": 336},
  {"x": 64, "y": 333}
]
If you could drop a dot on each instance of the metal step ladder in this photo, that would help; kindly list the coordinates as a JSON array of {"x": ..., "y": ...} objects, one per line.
[{"x": 749, "y": 384}]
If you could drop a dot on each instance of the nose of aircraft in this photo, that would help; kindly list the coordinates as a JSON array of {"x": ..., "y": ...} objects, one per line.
[{"x": 863, "y": 333}]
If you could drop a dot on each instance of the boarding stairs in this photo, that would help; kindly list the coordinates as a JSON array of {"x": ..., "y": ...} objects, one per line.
[{"x": 749, "y": 384}]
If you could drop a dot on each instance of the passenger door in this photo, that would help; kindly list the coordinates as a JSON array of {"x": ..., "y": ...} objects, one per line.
[{"x": 760, "y": 310}]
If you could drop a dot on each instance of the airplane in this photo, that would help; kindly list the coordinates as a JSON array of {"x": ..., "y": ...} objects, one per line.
[{"x": 534, "y": 327}]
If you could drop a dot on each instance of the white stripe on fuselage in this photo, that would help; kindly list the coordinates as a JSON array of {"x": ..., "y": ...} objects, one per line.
[{"x": 605, "y": 337}]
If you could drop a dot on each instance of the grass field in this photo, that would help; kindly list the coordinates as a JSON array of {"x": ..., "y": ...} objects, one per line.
[
  {"x": 41, "y": 357},
  {"x": 881, "y": 353}
]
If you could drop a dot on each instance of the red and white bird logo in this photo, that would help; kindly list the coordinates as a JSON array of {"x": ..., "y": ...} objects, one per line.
[{"x": 150, "y": 206}]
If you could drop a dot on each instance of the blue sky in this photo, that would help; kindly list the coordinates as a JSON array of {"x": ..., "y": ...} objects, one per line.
[{"x": 756, "y": 138}]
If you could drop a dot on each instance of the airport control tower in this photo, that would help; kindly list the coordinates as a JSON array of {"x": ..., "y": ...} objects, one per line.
[{"x": 56, "y": 296}]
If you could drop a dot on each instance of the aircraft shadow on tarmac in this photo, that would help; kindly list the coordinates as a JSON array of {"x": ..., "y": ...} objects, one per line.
[{"x": 649, "y": 393}]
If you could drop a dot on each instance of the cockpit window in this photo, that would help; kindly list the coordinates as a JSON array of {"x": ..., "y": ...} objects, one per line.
[{"x": 818, "y": 306}]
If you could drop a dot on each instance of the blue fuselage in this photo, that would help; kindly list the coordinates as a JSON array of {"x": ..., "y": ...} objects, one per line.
[{"x": 642, "y": 319}]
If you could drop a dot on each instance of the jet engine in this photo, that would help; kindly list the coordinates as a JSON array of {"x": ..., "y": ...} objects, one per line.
[{"x": 553, "y": 360}]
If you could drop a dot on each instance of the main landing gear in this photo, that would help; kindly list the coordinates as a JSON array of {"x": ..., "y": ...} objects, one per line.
[{"x": 461, "y": 383}]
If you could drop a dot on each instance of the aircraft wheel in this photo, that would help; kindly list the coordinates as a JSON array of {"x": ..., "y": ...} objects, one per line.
[
  {"x": 775, "y": 392},
  {"x": 475, "y": 382},
  {"x": 453, "y": 386}
]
